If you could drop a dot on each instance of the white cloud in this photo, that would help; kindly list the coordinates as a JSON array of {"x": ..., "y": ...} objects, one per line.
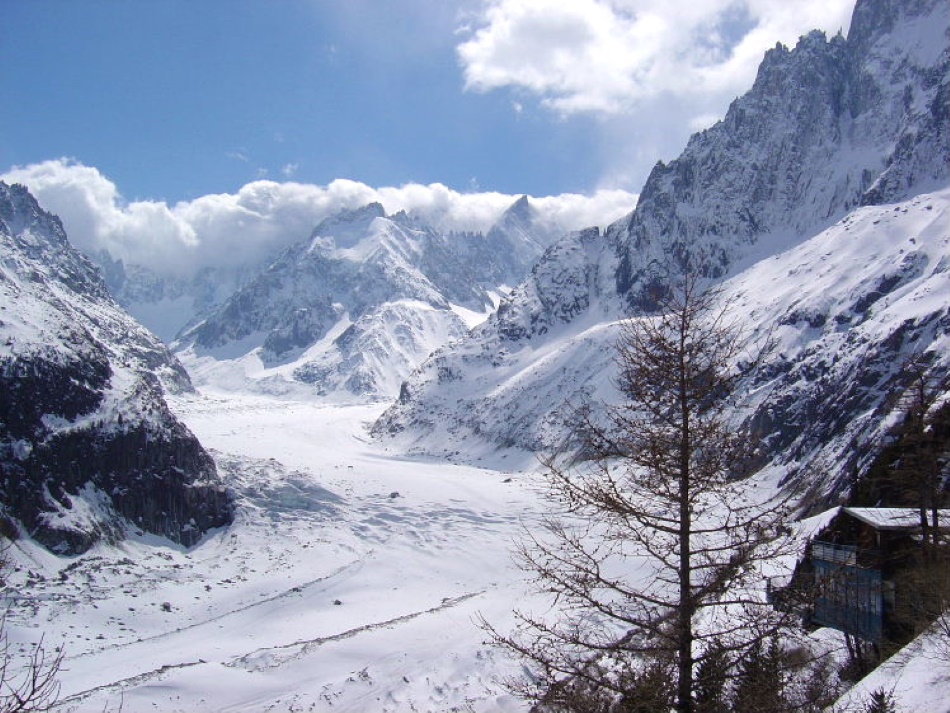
[
  {"x": 574, "y": 211},
  {"x": 263, "y": 217},
  {"x": 610, "y": 56},
  {"x": 96, "y": 217}
]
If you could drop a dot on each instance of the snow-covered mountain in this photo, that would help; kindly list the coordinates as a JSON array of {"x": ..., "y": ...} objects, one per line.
[
  {"x": 828, "y": 127},
  {"x": 88, "y": 443},
  {"x": 512, "y": 245},
  {"x": 877, "y": 300},
  {"x": 351, "y": 577},
  {"x": 360, "y": 303}
]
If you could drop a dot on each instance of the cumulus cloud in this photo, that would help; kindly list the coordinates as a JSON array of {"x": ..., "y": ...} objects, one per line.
[
  {"x": 610, "y": 56},
  {"x": 573, "y": 211},
  {"x": 263, "y": 217}
]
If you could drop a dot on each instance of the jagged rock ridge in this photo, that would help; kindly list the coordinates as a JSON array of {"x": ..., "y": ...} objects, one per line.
[
  {"x": 828, "y": 127},
  {"x": 87, "y": 443}
]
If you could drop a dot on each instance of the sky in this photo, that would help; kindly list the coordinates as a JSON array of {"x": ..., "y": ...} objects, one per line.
[{"x": 137, "y": 115}]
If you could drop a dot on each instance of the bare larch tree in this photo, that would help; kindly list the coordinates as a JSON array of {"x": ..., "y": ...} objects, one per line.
[
  {"x": 653, "y": 556},
  {"x": 28, "y": 680}
]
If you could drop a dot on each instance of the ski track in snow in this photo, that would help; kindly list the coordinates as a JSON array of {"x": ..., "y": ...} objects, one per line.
[
  {"x": 350, "y": 580},
  {"x": 262, "y": 659},
  {"x": 290, "y": 592},
  {"x": 275, "y": 656}
]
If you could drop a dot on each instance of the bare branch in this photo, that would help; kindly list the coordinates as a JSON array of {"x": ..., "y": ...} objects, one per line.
[{"x": 653, "y": 558}]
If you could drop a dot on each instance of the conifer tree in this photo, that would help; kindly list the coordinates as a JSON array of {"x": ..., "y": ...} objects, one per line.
[
  {"x": 654, "y": 558},
  {"x": 881, "y": 702},
  {"x": 759, "y": 686}
]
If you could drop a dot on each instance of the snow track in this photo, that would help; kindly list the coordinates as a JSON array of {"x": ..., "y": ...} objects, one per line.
[
  {"x": 276, "y": 656},
  {"x": 296, "y": 590}
]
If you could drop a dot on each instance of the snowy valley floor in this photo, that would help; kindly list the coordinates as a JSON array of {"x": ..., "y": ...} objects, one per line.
[{"x": 350, "y": 580}]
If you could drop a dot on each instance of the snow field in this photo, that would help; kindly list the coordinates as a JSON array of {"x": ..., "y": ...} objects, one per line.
[{"x": 350, "y": 581}]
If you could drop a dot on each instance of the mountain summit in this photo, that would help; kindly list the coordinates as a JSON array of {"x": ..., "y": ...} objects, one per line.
[{"x": 351, "y": 310}]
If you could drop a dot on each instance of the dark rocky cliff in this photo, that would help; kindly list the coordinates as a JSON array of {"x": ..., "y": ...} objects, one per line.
[{"x": 88, "y": 445}]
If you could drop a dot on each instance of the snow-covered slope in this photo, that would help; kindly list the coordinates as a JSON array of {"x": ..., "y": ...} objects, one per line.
[
  {"x": 827, "y": 127},
  {"x": 349, "y": 581},
  {"x": 86, "y": 438},
  {"x": 352, "y": 310},
  {"x": 849, "y": 310}
]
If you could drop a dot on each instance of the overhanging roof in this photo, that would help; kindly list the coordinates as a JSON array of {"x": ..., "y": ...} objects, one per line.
[{"x": 894, "y": 518}]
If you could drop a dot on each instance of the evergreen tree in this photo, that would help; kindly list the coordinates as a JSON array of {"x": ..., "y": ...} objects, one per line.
[
  {"x": 760, "y": 687},
  {"x": 881, "y": 702},
  {"x": 711, "y": 679}
]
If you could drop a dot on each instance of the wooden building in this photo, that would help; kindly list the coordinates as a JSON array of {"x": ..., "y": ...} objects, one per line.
[{"x": 861, "y": 574}]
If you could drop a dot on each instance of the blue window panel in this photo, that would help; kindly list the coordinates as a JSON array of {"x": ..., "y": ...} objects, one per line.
[{"x": 850, "y": 599}]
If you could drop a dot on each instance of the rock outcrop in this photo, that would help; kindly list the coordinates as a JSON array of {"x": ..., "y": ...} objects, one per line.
[{"x": 88, "y": 446}]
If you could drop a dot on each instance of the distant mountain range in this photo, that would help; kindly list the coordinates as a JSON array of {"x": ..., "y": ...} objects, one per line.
[
  {"x": 351, "y": 310},
  {"x": 820, "y": 203}
]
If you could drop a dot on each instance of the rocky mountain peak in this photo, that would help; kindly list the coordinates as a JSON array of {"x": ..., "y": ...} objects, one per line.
[
  {"x": 874, "y": 19},
  {"x": 831, "y": 128},
  {"x": 350, "y": 221},
  {"x": 859, "y": 113},
  {"x": 20, "y": 212},
  {"x": 40, "y": 237},
  {"x": 330, "y": 305},
  {"x": 521, "y": 209}
]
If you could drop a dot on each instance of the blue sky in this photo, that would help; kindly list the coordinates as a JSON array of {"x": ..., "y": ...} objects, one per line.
[
  {"x": 176, "y": 99},
  {"x": 184, "y": 132}
]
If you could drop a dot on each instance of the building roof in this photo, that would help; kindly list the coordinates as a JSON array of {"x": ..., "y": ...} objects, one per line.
[{"x": 894, "y": 518}]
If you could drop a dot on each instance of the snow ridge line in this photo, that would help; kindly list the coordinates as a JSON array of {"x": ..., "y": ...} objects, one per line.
[
  {"x": 307, "y": 645},
  {"x": 296, "y": 589},
  {"x": 127, "y": 682}
]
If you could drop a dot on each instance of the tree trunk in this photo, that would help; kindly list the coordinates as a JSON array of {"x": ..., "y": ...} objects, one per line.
[{"x": 684, "y": 689}]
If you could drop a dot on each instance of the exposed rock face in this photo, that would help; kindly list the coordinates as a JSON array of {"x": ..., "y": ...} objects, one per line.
[
  {"x": 372, "y": 356},
  {"x": 848, "y": 346},
  {"x": 360, "y": 259},
  {"x": 828, "y": 127},
  {"x": 87, "y": 443}
]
